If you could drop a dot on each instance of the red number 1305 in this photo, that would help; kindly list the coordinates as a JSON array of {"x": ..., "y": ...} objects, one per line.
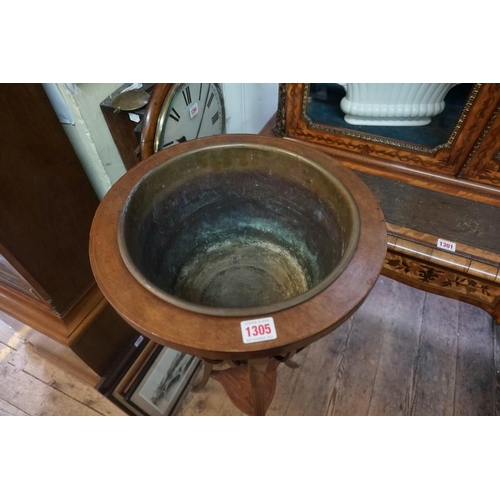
[{"x": 255, "y": 330}]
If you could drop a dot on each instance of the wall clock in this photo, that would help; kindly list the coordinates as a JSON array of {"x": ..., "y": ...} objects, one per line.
[{"x": 190, "y": 110}]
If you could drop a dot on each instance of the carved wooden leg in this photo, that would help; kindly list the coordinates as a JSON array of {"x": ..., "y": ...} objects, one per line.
[
  {"x": 287, "y": 359},
  {"x": 257, "y": 369},
  {"x": 207, "y": 370},
  {"x": 291, "y": 364},
  {"x": 251, "y": 388}
]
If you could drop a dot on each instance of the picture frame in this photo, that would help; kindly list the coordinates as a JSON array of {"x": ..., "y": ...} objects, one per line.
[{"x": 156, "y": 383}]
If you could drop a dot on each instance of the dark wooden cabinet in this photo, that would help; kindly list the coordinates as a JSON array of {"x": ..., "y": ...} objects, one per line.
[
  {"x": 47, "y": 205},
  {"x": 439, "y": 181}
]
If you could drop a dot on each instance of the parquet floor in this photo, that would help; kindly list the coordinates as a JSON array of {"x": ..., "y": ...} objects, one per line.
[{"x": 405, "y": 352}]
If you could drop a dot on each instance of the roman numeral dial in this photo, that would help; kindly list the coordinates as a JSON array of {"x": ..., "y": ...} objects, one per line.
[
  {"x": 174, "y": 115},
  {"x": 214, "y": 119},
  {"x": 190, "y": 110},
  {"x": 187, "y": 95}
]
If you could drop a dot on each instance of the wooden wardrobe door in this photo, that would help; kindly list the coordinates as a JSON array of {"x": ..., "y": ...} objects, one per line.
[{"x": 46, "y": 200}]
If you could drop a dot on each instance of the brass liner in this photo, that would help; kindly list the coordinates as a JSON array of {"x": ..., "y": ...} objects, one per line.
[{"x": 238, "y": 229}]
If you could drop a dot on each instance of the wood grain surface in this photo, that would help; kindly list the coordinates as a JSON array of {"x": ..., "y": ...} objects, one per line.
[
  {"x": 475, "y": 383},
  {"x": 435, "y": 365},
  {"x": 402, "y": 353},
  {"x": 151, "y": 116},
  {"x": 220, "y": 338},
  {"x": 46, "y": 200},
  {"x": 32, "y": 384},
  {"x": 445, "y": 160},
  {"x": 328, "y": 370}
]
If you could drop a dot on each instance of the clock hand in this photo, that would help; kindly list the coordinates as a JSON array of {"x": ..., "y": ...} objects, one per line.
[
  {"x": 178, "y": 141},
  {"x": 203, "y": 112}
]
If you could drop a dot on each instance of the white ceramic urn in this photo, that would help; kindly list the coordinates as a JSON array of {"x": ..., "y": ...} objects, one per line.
[{"x": 393, "y": 104}]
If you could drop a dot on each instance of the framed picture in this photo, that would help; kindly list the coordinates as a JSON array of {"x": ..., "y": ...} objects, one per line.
[{"x": 156, "y": 382}]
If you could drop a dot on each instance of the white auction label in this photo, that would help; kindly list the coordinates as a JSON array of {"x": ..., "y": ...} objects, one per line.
[
  {"x": 447, "y": 245},
  {"x": 258, "y": 330}
]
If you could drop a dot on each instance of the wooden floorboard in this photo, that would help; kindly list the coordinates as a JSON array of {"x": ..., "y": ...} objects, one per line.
[
  {"x": 316, "y": 381},
  {"x": 11, "y": 337},
  {"x": 8, "y": 410},
  {"x": 355, "y": 380},
  {"x": 394, "y": 383},
  {"x": 6, "y": 353},
  {"x": 34, "y": 397},
  {"x": 404, "y": 352},
  {"x": 437, "y": 358},
  {"x": 31, "y": 385},
  {"x": 475, "y": 385},
  {"x": 399, "y": 355},
  {"x": 496, "y": 356},
  {"x": 286, "y": 384},
  {"x": 55, "y": 377}
]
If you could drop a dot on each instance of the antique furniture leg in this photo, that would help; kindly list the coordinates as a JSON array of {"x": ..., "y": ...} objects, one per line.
[
  {"x": 250, "y": 385},
  {"x": 207, "y": 370},
  {"x": 291, "y": 364},
  {"x": 256, "y": 370},
  {"x": 247, "y": 382},
  {"x": 288, "y": 360}
]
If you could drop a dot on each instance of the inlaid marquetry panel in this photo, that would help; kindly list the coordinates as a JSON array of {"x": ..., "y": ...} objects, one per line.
[
  {"x": 454, "y": 261},
  {"x": 469, "y": 274},
  {"x": 431, "y": 276}
]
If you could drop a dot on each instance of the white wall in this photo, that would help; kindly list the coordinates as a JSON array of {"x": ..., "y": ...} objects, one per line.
[
  {"x": 90, "y": 136},
  {"x": 249, "y": 106}
]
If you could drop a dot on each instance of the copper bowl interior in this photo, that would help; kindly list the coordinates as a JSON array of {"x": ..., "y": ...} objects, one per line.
[{"x": 238, "y": 230}]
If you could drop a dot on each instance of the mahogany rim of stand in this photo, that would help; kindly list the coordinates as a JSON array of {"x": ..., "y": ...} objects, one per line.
[{"x": 219, "y": 338}]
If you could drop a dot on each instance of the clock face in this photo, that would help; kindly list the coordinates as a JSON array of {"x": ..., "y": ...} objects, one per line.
[{"x": 190, "y": 110}]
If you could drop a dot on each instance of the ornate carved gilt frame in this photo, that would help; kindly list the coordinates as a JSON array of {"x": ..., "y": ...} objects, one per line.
[
  {"x": 481, "y": 162},
  {"x": 446, "y": 158},
  {"x": 392, "y": 142}
]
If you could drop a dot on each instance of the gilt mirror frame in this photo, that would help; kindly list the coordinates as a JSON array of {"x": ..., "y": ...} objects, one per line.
[{"x": 294, "y": 122}]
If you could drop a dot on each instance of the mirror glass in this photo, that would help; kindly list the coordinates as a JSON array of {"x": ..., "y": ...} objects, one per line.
[{"x": 355, "y": 107}]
